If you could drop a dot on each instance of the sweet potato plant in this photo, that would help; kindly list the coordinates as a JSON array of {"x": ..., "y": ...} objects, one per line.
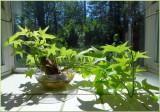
[
  {"x": 115, "y": 69},
  {"x": 41, "y": 51}
]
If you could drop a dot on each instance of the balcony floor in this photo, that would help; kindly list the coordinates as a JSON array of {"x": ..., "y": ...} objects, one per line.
[{"x": 24, "y": 94}]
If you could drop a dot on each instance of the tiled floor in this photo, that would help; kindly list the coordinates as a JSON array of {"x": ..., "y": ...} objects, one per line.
[{"x": 24, "y": 94}]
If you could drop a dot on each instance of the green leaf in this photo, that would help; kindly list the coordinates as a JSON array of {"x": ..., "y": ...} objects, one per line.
[
  {"x": 117, "y": 49},
  {"x": 116, "y": 66},
  {"x": 138, "y": 85},
  {"x": 109, "y": 48},
  {"x": 48, "y": 36},
  {"x": 6, "y": 43},
  {"x": 129, "y": 86},
  {"x": 29, "y": 73},
  {"x": 63, "y": 51},
  {"x": 69, "y": 52},
  {"x": 94, "y": 52},
  {"x": 44, "y": 35},
  {"x": 17, "y": 43},
  {"x": 98, "y": 60},
  {"x": 85, "y": 71},
  {"x": 35, "y": 35},
  {"x": 96, "y": 71},
  {"x": 52, "y": 50},
  {"x": 99, "y": 87},
  {"x": 140, "y": 55},
  {"x": 154, "y": 98},
  {"x": 19, "y": 53},
  {"x": 14, "y": 37},
  {"x": 123, "y": 60},
  {"x": 139, "y": 69},
  {"x": 30, "y": 59},
  {"x": 44, "y": 31},
  {"x": 24, "y": 30}
]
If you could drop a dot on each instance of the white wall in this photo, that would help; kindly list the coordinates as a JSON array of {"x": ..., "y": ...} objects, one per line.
[
  {"x": 152, "y": 36},
  {"x": 6, "y": 32}
]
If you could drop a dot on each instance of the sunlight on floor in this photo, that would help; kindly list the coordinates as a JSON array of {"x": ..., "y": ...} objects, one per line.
[{"x": 24, "y": 94}]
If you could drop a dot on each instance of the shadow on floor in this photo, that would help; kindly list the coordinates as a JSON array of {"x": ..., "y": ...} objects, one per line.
[
  {"x": 144, "y": 100},
  {"x": 140, "y": 102},
  {"x": 8, "y": 101},
  {"x": 89, "y": 105},
  {"x": 34, "y": 94}
]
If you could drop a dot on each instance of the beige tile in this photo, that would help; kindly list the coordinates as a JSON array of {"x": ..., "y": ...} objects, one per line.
[
  {"x": 77, "y": 97},
  {"x": 90, "y": 102},
  {"x": 71, "y": 105},
  {"x": 44, "y": 103},
  {"x": 126, "y": 103},
  {"x": 83, "y": 103},
  {"x": 42, "y": 107},
  {"x": 151, "y": 78},
  {"x": 17, "y": 84},
  {"x": 85, "y": 92},
  {"x": 46, "y": 99},
  {"x": 107, "y": 107},
  {"x": 14, "y": 109}
]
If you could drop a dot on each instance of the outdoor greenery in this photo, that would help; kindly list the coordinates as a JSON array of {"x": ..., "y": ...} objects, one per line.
[{"x": 85, "y": 23}]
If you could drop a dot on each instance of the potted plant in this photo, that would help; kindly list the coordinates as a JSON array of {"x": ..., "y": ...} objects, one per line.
[{"x": 43, "y": 52}]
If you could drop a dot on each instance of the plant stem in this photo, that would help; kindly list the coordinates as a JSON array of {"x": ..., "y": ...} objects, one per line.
[
  {"x": 126, "y": 88},
  {"x": 133, "y": 74}
]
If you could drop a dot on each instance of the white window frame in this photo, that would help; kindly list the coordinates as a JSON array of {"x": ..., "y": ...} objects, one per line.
[{"x": 6, "y": 28}]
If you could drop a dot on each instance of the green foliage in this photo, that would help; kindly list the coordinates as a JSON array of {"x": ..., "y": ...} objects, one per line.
[
  {"x": 118, "y": 73},
  {"x": 114, "y": 67},
  {"x": 29, "y": 72},
  {"x": 35, "y": 45},
  {"x": 117, "y": 49}
]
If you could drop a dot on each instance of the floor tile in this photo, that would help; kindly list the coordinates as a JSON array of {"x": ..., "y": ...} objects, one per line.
[
  {"x": 136, "y": 103},
  {"x": 71, "y": 105},
  {"x": 10, "y": 102},
  {"x": 47, "y": 99},
  {"x": 41, "y": 107},
  {"x": 151, "y": 78},
  {"x": 26, "y": 94},
  {"x": 83, "y": 103},
  {"x": 85, "y": 92},
  {"x": 17, "y": 84}
]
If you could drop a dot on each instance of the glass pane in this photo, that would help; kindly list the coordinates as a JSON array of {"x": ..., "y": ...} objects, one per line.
[
  {"x": 82, "y": 24},
  {"x": 17, "y": 13}
]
